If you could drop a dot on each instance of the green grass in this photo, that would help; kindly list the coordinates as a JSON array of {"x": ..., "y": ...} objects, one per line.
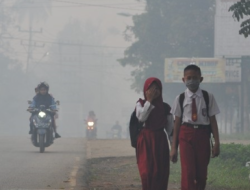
[
  {"x": 227, "y": 172},
  {"x": 175, "y": 173},
  {"x": 228, "y": 175}
]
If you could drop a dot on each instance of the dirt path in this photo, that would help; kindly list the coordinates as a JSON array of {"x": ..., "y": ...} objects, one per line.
[
  {"x": 112, "y": 166},
  {"x": 109, "y": 148}
]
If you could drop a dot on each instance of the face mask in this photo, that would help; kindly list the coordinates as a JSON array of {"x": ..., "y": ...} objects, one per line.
[{"x": 192, "y": 84}]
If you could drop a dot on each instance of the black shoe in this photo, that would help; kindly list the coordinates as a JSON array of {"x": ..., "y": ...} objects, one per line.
[{"x": 57, "y": 135}]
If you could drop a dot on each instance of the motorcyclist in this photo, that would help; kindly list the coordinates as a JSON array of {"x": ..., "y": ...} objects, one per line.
[
  {"x": 44, "y": 98},
  {"x": 92, "y": 117},
  {"x": 30, "y": 102},
  {"x": 117, "y": 127},
  {"x": 37, "y": 90}
]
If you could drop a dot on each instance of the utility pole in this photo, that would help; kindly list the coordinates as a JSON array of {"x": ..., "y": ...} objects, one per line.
[
  {"x": 245, "y": 90},
  {"x": 3, "y": 22},
  {"x": 70, "y": 60},
  {"x": 31, "y": 45},
  {"x": 2, "y": 17}
]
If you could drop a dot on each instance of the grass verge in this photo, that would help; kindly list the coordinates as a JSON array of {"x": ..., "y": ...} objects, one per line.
[
  {"x": 235, "y": 136},
  {"x": 227, "y": 172}
]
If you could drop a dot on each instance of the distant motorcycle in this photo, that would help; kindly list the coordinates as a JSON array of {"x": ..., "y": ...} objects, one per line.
[
  {"x": 42, "y": 133},
  {"x": 91, "y": 131},
  {"x": 115, "y": 134}
]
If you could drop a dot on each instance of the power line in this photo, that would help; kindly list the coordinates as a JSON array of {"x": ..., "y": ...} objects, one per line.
[
  {"x": 78, "y": 5},
  {"x": 67, "y": 44},
  {"x": 84, "y": 68},
  {"x": 95, "y": 5},
  {"x": 83, "y": 54},
  {"x": 66, "y": 6}
]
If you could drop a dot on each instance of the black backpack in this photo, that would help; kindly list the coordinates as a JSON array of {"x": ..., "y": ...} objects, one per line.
[{"x": 135, "y": 126}]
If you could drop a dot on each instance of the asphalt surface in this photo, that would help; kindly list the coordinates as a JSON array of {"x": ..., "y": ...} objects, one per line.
[{"x": 22, "y": 167}]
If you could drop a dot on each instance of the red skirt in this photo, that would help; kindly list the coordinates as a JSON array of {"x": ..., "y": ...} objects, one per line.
[{"x": 153, "y": 159}]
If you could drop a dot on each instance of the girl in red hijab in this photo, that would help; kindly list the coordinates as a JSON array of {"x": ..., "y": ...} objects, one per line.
[{"x": 152, "y": 145}]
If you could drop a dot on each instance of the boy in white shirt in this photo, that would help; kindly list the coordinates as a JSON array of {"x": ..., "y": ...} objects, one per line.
[{"x": 194, "y": 122}]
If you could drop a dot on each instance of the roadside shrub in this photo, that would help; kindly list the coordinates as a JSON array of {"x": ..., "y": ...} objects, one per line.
[{"x": 238, "y": 153}]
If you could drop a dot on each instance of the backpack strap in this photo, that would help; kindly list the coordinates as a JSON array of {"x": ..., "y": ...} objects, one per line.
[
  {"x": 181, "y": 100},
  {"x": 206, "y": 98}
]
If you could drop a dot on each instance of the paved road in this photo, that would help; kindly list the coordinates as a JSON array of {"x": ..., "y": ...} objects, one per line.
[{"x": 61, "y": 166}]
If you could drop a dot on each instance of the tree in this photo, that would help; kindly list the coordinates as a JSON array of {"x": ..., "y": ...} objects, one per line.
[
  {"x": 14, "y": 94},
  {"x": 168, "y": 29},
  {"x": 241, "y": 9},
  {"x": 5, "y": 22}
]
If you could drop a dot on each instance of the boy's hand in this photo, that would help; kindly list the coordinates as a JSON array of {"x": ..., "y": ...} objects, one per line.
[
  {"x": 174, "y": 155},
  {"x": 151, "y": 94},
  {"x": 216, "y": 150}
]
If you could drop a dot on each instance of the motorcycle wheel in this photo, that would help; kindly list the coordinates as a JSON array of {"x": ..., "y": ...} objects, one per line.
[{"x": 41, "y": 143}]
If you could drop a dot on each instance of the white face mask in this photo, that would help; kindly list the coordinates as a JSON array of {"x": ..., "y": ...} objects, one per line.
[{"x": 192, "y": 84}]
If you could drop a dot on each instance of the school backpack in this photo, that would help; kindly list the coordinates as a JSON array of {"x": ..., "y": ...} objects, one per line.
[{"x": 135, "y": 126}]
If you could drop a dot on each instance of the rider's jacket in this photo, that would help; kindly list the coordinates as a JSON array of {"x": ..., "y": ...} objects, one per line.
[
  {"x": 91, "y": 118},
  {"x": 47, "y": 100}
]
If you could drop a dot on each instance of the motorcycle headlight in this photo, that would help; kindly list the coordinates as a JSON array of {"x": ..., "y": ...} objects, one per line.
[
  {"x": 42, "y": 114},
  {"x": 91, "y": 123}
]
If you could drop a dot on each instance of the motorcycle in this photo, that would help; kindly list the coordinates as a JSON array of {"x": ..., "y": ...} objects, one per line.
[
  {"x": 91, "y": 129},
  {"x": 115, "y": 134},
  {"x": 57, "y": 103},
  {"x": 42, "y": 132}
]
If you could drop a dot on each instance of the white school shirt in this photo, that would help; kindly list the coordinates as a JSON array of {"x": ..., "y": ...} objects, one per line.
[
  {"x": 142, "y": 113},
  {"x": 201, "y": 107}
]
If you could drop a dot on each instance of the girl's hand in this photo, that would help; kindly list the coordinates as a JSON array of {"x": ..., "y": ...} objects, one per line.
[
  {"x": 174, "y": 155},
  {"x": 151, "y": 94}
]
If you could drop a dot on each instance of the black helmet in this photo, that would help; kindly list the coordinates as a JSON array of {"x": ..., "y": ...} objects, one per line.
[
  {"x": 92, "y": 113},
  {"x": 43, "y": 84}
]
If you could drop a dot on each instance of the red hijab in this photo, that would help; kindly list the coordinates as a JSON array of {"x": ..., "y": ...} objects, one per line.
[{"x": 156, "y": 119}]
